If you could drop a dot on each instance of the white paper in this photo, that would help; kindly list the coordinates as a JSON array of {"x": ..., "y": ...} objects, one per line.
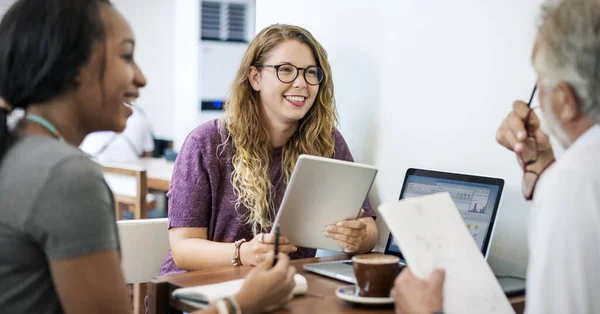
[
  {"x": 432, "y": 234},
  {"x": 210, "y": 293}
]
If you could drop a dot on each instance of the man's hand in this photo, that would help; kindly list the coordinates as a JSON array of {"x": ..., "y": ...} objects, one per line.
[
  {"x": 513, "y": 134},
  {"x": 414, "y": 295}
]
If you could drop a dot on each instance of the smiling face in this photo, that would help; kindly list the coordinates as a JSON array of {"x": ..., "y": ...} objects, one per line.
[
  {"x": 285, "y": 103},
  {"x": 111, "y": 79}
]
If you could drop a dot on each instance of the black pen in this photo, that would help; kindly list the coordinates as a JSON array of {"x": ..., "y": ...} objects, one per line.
[
  {"x": 276, "y": 245},
  {"x": 531, "y": 97}
]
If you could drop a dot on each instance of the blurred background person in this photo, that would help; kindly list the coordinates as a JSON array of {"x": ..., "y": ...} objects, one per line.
[{"x": 127, "y": 147}]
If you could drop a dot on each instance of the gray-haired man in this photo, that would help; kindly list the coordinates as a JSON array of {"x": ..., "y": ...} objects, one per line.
[{"x": 564, "y": 222}]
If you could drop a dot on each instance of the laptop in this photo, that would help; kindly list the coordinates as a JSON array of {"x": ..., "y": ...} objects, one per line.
[{"x": 477, "y": 198}]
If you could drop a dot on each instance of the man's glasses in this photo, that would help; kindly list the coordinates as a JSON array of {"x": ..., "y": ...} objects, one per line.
[
  {"x": 287, "y": 73},
  {"x": 529, "y": 154}
]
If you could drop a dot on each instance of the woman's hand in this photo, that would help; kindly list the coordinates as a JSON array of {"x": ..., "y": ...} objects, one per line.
[
  {"x": 353, "y": 235},
  {"x": 255, "y": 251}
]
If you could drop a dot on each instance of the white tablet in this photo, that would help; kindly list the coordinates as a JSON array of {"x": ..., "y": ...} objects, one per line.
[{"x": 322, "y": 191}]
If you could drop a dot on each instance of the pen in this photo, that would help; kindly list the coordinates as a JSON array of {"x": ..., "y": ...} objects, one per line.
[
  {"x": 531, "y": 98},
  {"x": 276, "y": 245}
]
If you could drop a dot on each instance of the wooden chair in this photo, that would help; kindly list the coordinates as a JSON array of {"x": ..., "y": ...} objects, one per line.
[
  {"x": 129, "y": 185},
  {"x": 139, "y": 237}
]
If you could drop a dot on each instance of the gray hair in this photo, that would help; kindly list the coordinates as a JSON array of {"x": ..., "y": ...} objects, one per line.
[{"x": 569, "y": 35}]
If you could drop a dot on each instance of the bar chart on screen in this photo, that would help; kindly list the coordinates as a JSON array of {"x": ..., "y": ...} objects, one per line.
[
  {"x": 479, "y": 201},
  {"x": 477, "y": 208}
]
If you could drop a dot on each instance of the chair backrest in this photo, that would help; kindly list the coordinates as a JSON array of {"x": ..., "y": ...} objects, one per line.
[
  {"x": 144, "y": 244},
  {"x": 129, "y": 185}
]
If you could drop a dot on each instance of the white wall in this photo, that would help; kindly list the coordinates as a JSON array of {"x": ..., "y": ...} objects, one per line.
[
  {"x": 186, "y": 79},
  {"x": 426, "y": 84},
  {"x": 153, "y": 22},
  {"x": 4, "y": 5},
  {"x": 167, "y": 36},
  {"x": 180, "y": 67}
]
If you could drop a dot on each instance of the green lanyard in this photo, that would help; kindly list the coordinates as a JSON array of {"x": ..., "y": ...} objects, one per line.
[{"x": 46, "y": 124}]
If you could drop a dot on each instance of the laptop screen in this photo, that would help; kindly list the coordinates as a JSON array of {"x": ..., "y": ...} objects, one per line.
[{"x": 476, "y": 198}]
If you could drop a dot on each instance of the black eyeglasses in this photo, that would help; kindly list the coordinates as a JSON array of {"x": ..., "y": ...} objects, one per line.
[
  {"x": 287, "y": 73},
  {"x": 529, "y": 155}
]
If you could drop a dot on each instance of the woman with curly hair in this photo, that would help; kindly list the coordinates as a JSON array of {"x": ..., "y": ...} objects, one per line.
[{"x": 231, "y": 173}]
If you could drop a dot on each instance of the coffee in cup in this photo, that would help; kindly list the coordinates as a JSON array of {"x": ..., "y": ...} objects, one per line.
[{"x": 375, "y": 274}]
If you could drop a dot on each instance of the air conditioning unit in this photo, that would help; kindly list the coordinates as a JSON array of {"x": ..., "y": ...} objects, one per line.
[{"x": 226, "y": 28}]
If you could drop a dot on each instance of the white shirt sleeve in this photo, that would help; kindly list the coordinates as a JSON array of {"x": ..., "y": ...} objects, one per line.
[
  {"x": 564, "y": 241},
  {"x": 138, "y": 132},
  {"x": 148, "y": 139}
]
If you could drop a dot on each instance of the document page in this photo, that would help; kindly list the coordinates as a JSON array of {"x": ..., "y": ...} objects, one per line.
[{"x": 432, "y": 234}]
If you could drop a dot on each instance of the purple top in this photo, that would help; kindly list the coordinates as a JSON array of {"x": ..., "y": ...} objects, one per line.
[{"x": 201, "y": 194}]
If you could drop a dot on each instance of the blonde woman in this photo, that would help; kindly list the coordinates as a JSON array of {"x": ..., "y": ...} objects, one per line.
[{"x": 231, "y": 174}]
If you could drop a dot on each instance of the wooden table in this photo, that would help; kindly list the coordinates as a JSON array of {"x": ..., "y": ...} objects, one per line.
[
  {"x": 159, "y": 291},
  {"x": 159, "y": 172}
]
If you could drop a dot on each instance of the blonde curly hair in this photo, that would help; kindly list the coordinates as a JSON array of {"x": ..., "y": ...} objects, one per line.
[{"x": 249, "y": 130}]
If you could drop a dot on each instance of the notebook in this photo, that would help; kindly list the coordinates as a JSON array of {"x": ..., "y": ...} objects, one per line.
[
  {"x": 202, "y": 296},
  {"x": 432, "y": 234}
]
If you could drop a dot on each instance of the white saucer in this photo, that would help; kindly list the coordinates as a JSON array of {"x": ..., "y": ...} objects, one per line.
[{"x": 349, "y": 293}]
